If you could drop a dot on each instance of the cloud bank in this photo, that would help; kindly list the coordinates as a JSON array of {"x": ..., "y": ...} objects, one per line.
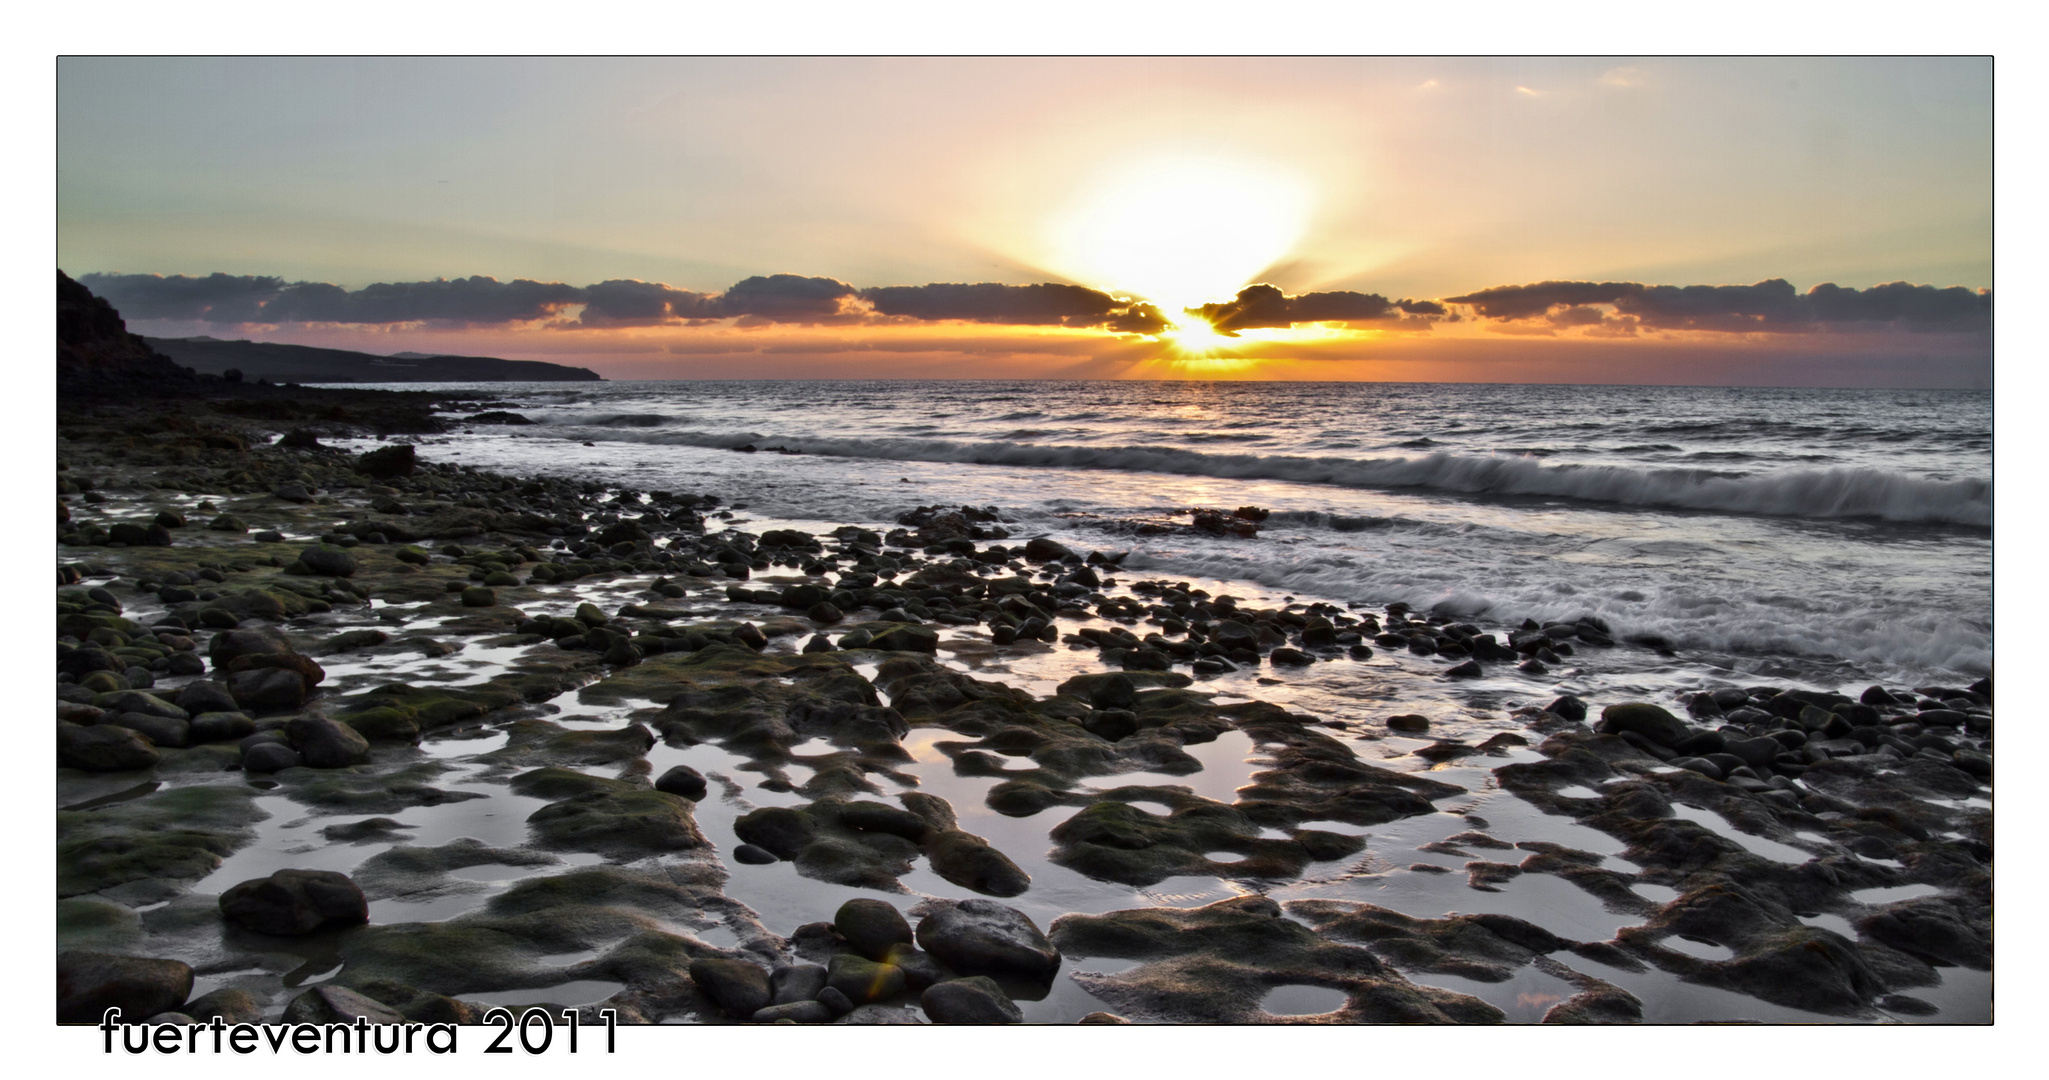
[
  {"x": 1547, "y": 308},
  {"x": 1772, "y": 306},
  {"x": 1264, "y": 306}
]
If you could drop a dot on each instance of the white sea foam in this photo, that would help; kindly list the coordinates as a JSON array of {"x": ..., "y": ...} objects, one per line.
[{"x": 1817, "y": 493}]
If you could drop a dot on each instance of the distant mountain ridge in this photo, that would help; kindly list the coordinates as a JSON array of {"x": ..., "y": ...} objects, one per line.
[{"x": 308, "y": 364}]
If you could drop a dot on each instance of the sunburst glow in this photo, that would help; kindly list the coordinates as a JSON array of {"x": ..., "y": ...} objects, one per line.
[{"x": 1180, "y": 230}]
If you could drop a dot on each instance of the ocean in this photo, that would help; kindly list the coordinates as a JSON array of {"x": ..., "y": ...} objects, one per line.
[{"x": 1756, "y": 534}]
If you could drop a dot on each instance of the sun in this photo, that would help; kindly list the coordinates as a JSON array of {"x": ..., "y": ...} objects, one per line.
[
  {"x": 1194, "y": 337},
  {"x": 1179, "y": 230}
]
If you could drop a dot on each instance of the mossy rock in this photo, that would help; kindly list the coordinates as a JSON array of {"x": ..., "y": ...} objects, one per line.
[
  {"x": 460, "y": 956},
  {"x": 362, "y": 789},
  {"x": 541, "y": 742},
  {"x": 613, "y": 817},
  {"x": 85, "y": 922},
  {"x": 384, "y": 724},
  {"x": 92, "y": 863}
]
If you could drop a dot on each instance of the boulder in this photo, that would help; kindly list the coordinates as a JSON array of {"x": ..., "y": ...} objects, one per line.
[
  {"x": 1644, "y": 719},
  {"x": 103, "y": 748},
  {"x": 872, "y": 927},
  {"x": 267, "y": 689},
  {"x": 328, "y": 561},
  {"x": 740, "y": 988},
  {"x": 973, "y": 1000},
  {"x": 983, "y": 937},
  {"x": 89, "y": 983},
  {"x": 862, "y": 980},
  {"x": 1041, "y": 549},
  {"x": 388, "y": 461},
  {"x": 325, "y": 743},
  {"x": 782, "y": 830},
  {"x": 683, "y": 782},
  {"x": 289, "y": 903},
  {"x": 968, "y": 861}
]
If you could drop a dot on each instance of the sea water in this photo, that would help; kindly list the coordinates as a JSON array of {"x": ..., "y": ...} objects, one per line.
[{"x": 1820, "y": 536}]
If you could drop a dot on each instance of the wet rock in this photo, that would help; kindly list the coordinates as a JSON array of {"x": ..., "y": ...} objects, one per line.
[
  {"x": 1806, "y": 968},
  {"x": 872, "y": 927},
  {"x": 231, "y": 1005},
  {"x": 325, "y": 743},
  {"x": 1931, "y": 927},
  {"x": 205, "y": 696},
  {"x": 89, "y": 983},
  {"x": 328, "y": 561},
  {"x": 1643, "y": 719},
  {"x": 103, "y": 748},
  {"x": 294, "y": 902},
  {"x": 1042, "y": 549},
  {"x": 968, "y": 861},
  {"x": 919, "y": 968},
  {"x": 1217, "y": 963},
  {"x": 683, "y": 782},
  {"x": 388, "y": 462},
  {"x": 1408, "y": 722},
  {"x": 835, "y": 1002},
  {"x": 740, "y": 988},
  {"x": 973, "y": 1000},
  {"x": 753, "y": 855},
  {"x": 270, "y": 757},
  {"x": 1607, "y": 1005},
  {"x": 614, "y": 817},
  {"x": 796, "y": 1012},
  {"x": 983, "y": 937},
  {"x": 338, "y": 1005},
  {"x": 780, "y": 830},
  {"x": 789, "y": 983},
  {"x": 1569, "y": 707},
  {"x": 864, "y": 981},
  {"x": 878, "y": 817},
  {"x": 220, "y": 727},
  {"x": 268, "y": 689}
]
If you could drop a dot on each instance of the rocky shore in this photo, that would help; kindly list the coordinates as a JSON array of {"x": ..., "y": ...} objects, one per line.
[{"x": 308, "y": 668}]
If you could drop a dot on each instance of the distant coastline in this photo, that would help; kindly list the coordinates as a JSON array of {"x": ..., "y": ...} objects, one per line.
[{"x": 307, "y": 364}]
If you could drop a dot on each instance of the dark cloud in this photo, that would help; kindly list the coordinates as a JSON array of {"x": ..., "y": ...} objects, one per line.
[
  {"x": 219, "y": 298},
  {"x": 1768, "y": 306},
  {"x": 642, "y": 303},
  {"x": 470, "y": 300},
  {"x": 1260, "y": 306},
  {"x": 1017, "y": 305},
  {"x": 786, "y": 298}
]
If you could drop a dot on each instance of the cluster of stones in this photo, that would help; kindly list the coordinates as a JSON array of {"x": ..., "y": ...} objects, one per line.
[
  {"x": 1859, "y": 786},
  {"x": 956, "y": 966},
  {"x": 1766, "y": 736}
]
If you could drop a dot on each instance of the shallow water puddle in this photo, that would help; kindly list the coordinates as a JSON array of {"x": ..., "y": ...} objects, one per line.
[
  {"x": 1836, "y": 923},
  {"x": 1297, "y": 999},
  {"x": 1225, "y": 769},
  {"x": 1756, "y": 845},
  {"x": 1892, "y": 893},
  {"x": 1691, "y": 946}
]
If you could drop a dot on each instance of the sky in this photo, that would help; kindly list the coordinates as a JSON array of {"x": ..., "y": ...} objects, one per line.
[{"x": 1658, "y": 220}]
